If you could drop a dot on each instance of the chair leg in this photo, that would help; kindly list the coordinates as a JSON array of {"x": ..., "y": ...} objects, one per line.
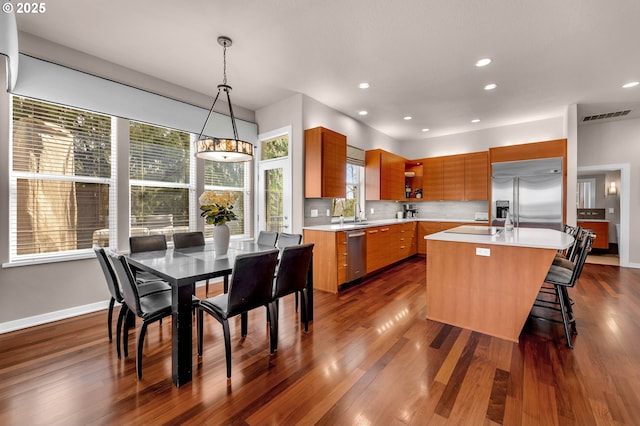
[
  {"x": 227, "y": 346},
  {"x": 296, "y": 293},
  {"x": 304, "y": 310},
  {"x": 143, "y": 330},
  {"x": 119, "y": 325},
  {"x": 125, "y": 337},
  {"x": 273, "y": 327},
  {"x": 244, "y": 319},
  {"x": 569, "y": 302},
  {"x": 199, "y": 330},
  {"x": 563, "y": 312},
  {"x": 206, "y": 289},
  {"x": 110, "y": 317}
]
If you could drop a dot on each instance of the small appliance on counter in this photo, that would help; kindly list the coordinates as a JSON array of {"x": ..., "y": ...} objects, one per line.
[
  {"x": 410, "y": 210},
  {"x": 481, "y": 216}
]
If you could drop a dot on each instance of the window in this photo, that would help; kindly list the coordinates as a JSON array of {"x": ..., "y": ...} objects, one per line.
[
  {"x": 160, "y": 173},
  {"x": 353, "y": 202},
  {"x": 60, "y": 179},
  {"x": 586, "y": 193},
  {"x": 232, "y": 177}
]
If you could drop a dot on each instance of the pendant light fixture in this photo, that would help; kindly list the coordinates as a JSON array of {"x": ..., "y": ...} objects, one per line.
[{"x": 223, "y": 149}]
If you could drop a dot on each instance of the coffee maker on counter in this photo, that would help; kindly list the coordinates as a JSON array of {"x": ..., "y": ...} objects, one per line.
[{"x": 410, "y": 210}]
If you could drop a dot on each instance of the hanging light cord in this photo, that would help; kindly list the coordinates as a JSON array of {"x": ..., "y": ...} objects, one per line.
[{"x": 226, "y": 88}]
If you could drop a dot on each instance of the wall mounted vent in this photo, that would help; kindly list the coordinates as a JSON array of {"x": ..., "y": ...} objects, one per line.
[{"x": 607, "y": 115}]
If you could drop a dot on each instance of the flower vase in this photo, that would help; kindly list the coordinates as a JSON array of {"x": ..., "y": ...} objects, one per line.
[{"x": 221, "y": 236}]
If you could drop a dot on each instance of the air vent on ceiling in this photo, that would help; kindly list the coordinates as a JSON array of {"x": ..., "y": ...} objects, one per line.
[{"x": 607, "y": 115}]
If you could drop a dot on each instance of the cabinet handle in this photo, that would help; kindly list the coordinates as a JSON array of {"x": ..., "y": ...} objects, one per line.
[
  {"x": 373, "y": 232},
  {"x": 402, "y": 247},
  {"x": 384, "y": 229}
]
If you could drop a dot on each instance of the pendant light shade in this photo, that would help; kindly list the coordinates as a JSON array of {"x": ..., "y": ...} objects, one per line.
[{"x": 223, "y": 149}]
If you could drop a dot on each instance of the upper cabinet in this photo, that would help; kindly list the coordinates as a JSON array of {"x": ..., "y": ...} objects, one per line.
[
  {"x": 325, "y": 163},
  {"x": 384, "y": 175},
  {"x": 456, "y": 177}
]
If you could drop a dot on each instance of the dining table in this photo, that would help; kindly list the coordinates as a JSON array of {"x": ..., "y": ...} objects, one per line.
[{"x": 182, "y": 268}]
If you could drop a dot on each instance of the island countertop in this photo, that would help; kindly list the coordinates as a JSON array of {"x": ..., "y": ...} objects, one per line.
[{"x": 519, "y": 237}]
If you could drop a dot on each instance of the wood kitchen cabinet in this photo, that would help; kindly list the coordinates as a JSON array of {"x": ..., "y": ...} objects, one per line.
[
  {"x": 378, "y": 238},
  {"x": 602, "y": 233},
  {"x": 384, "y": 175},
  {"x": 329, "y": 258},
  {"x": 476, "y": 176},
  {"x": 325, "y": 163},
  {"x": 432, "y": 179},
  {"x": 456, "y": 177},
  {"x": 390, "y": 244}
]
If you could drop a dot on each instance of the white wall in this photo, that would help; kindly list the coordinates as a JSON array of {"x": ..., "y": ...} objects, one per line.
[
  {"x": 289, "y": 113},
  {"x": 616, "y": 142},
  {"x": 482, "y": 140}
]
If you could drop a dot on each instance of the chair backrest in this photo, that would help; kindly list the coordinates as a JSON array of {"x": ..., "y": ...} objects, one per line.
[
  {"x": 251, "y": 283},
  {"x": 266, "y": 238},
  {"x": 577, "y": 233},
  {"x": 147, "y": 243},
  {"x": 582, "y": 253},
  {"x": 127, "y": 282},
  {"x": 109, "y": 273},
  {"x": 293, "y": 269},
  {"x": 286, "y": 240},
  {"x": 188, "y": 239}
]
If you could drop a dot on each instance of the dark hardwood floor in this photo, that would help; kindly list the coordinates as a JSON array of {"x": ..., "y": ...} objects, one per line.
[{"x": 370, "y": 358}]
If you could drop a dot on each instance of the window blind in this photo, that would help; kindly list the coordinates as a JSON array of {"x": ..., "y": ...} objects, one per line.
[
  {"x": 355, "y": 156},
  {"x": 233, "y": 177},
  {"x": 60, "y": 179}
]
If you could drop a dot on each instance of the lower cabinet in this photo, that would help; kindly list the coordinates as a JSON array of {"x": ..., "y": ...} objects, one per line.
[
  {"x": 385, "y": 246},
  {"x": 601, "y": 230}
]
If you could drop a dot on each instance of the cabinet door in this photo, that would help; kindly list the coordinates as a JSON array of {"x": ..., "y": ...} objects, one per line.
[
  {"x": 602, "y": 233},
  {"x": 375, "y": 248},
  {"x": 476, "y": 175},
  {"x": 426, "y": 228},
  {"x": 453, "y": 178},
  {"x": 325, "y": 163},
  {"x": 341, "y": 253},
  {"x": 334, "y": 165},
  {"x": 392, "y": 177},
  {"x": 432, "y": 179}
]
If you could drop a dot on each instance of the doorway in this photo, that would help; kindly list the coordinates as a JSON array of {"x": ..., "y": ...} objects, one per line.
[
  {"x": 615, "y": 205},
  {"x": 274, "y": 181}
]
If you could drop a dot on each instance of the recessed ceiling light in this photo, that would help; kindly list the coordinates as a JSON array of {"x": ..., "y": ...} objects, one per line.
[
  {"x": 363, "y": 85},
  {"x": 483, "y": 62},
  {"x": 631, "y": 84},
  {"x": 475, "y": 120},
  {"x": 490, "y": 86},
  {"x": 363, "y": 112},
  {"x": 408, "y": 117},
  {"x": 425, "y": 130}
]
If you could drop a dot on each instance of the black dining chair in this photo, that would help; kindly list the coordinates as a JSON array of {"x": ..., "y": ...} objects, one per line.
[
  {"x": 293, "y": 271},
  {"x": 287, "y": 240},
  {"x": 144, "y": 289},
  {"x": 183, "y": 240},
  {"x": 267, "y": 238},
  {"x": 561, "y": 278},
  {"x": 251, "y": 287},
  {"x": 142, "y": 243},
  {"x": 150, "y": 308}
]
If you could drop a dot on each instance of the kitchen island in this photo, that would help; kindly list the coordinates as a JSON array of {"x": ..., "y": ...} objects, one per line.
[{"x": 486, "y": 279}]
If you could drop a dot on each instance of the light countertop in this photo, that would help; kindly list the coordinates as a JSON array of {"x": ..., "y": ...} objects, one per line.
[
  {"x": 593, "y": 220},
  {"x": 381, "y": 222},
  {"x": 519, "y": 237}
]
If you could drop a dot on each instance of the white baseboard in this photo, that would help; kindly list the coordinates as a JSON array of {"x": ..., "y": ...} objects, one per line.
[
  {"x": 8, "y": 326},
  {"x": 633, "y": 265}
]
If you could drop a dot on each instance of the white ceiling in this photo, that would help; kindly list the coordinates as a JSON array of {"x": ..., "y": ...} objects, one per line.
[{"x": 418, "y": 55}]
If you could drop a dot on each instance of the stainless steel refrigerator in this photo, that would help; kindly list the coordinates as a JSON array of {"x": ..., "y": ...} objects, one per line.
[{"x": 531, "y": 191}]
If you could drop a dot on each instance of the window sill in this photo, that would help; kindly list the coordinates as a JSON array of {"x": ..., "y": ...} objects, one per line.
[{"x": 50, "y": 258}]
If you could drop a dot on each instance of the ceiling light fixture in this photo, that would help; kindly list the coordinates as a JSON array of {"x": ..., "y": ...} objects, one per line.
[
  {"x": 363, "y": 85},
  {"x": 475, "y": 120},
  {"x": 483, "y": 62},
  {"x": 425, "y": 130},
  {"x": 408, "y": 117},
  {"x": 223, "y": 149},
  {"x": 631, "y": 84},
  {"x": 490, "y": 86},
  {"x": 363, "y": 113}
]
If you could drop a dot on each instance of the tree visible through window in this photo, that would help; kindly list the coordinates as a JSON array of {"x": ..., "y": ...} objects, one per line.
[
  {"x": 60, "y": 177},
  {"x": 346, "y": 207}
]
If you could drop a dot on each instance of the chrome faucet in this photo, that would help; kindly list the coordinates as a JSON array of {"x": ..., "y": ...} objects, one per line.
[{"x": 356, "y": 212}]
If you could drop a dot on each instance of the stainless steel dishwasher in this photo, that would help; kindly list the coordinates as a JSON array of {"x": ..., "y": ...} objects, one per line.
[{"x": 356, "y": 254}]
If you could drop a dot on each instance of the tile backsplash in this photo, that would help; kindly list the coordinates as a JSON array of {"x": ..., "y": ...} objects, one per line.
[{"x": 458, "y": 210}]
